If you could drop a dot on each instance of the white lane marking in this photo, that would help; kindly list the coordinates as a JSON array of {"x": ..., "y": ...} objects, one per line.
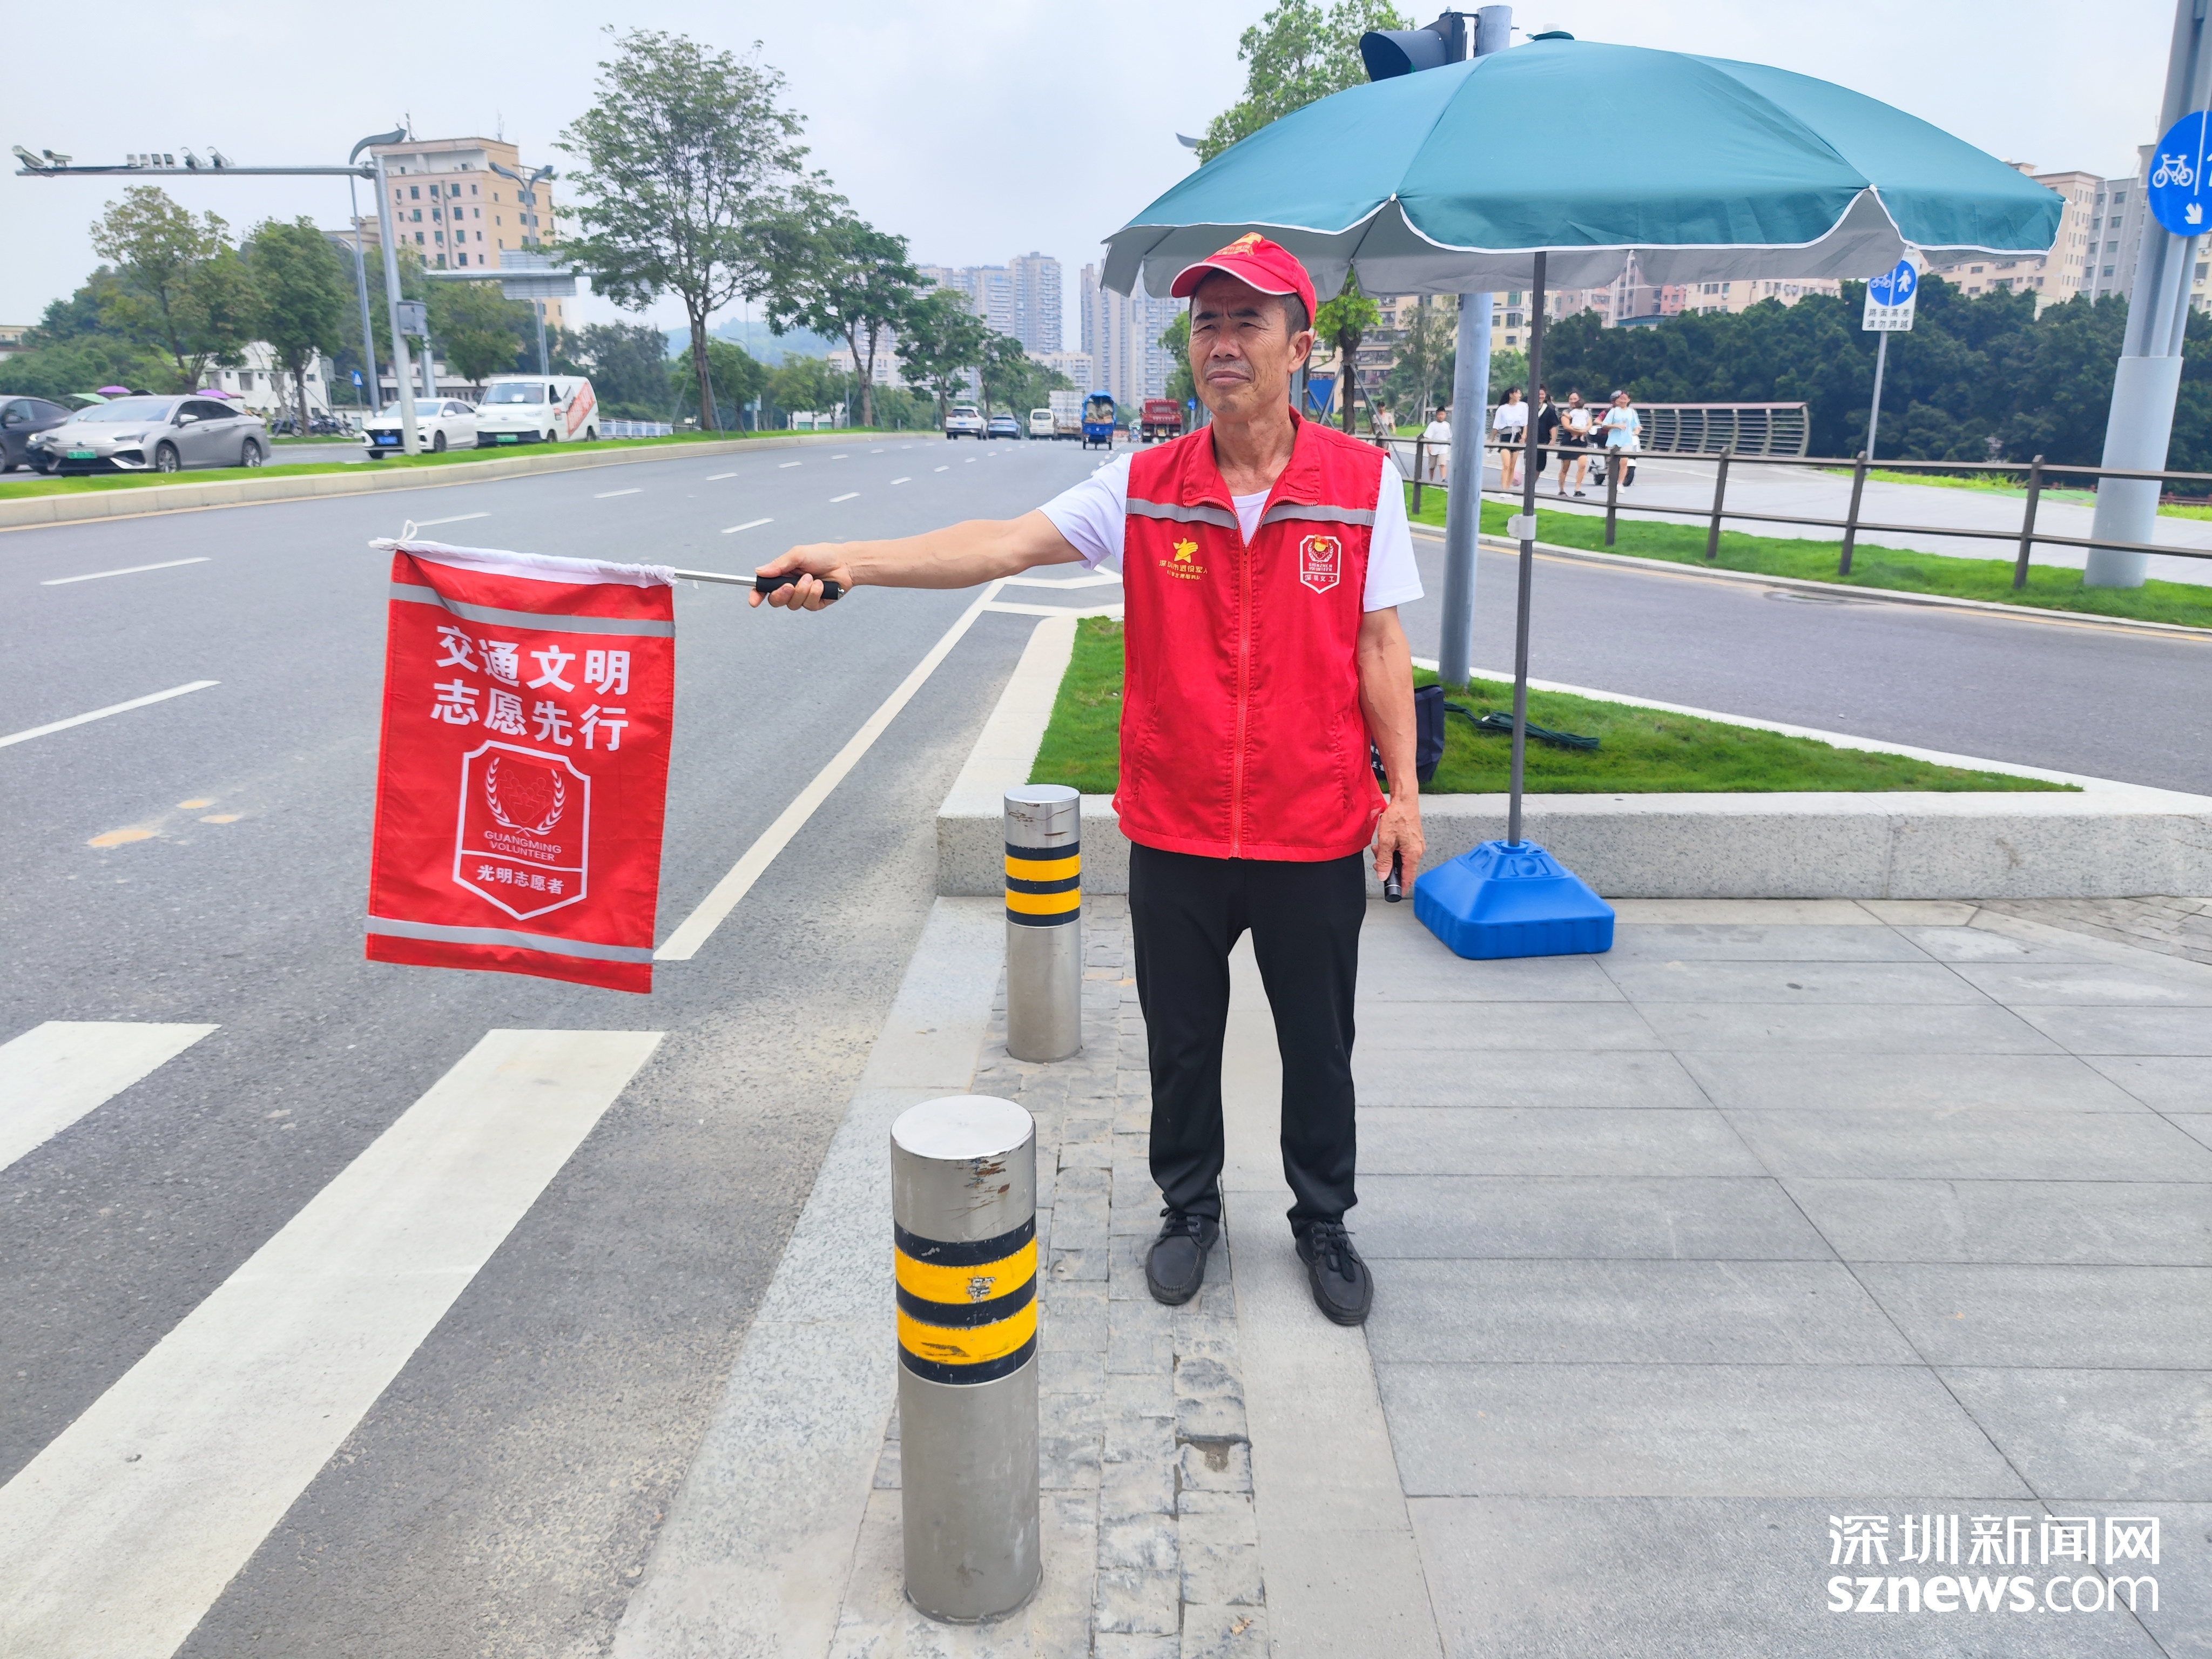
[
  {"x": 750, "y": 524},
  {"x": 713, "y": 477},
  {"x": 458, "y": 518},
  {"x": 972, "y": 459},
  {"x": 1100, "y": 579},
  {"x": 699, "y": 926},
  {"x": 127, "y": 570},
  {"x": 55, "y": 1073},
  {"x": 1114, "y": 610},
  {"x": 789, "y": 463},
  {"x": 840, "y": 458},
  {"x": 847, "y": 496},
  {"x": 900, "y": 481},
  {"x": 609, "y": 495},
  {"x": 944, "y": 469},
  {"x": 875, "y": 451},
  {"x": 122, "y": 1533},
  {"x": 102, "y": 713}
]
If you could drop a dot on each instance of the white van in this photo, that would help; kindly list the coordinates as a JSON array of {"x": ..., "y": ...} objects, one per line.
[
  {"x": 536, "y": 409},
  {"x": 1041, "y": 423}
]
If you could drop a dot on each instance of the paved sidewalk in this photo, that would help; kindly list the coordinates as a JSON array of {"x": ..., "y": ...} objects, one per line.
[{"x": 1780, "y": 1228}]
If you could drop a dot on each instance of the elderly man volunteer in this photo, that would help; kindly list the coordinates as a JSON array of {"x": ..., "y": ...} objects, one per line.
[{"x": 1263, "y": 558}]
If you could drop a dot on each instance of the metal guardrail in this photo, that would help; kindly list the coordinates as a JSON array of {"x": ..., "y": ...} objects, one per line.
[
  {"x": 637, "y": 429},
  {"x": 1422, "y": 465}
]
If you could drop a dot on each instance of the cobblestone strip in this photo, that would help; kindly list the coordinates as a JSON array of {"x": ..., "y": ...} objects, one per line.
[
  {"x": 2172, "y": 927},
  {"x": 1149, "y": 1550}
]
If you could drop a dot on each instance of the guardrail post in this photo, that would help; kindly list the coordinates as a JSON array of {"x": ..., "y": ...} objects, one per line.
[
  {"x": 963, "y": 1215},
  {"x": 1720, "y": 492},
  {"x": 1421, "y": 465},
  {"x": 2027, "y": 522},
  {"x": 1851, "y": 518},
  {"x": 1044, "y": 922},
  {"x": 1612, "y": 490}
]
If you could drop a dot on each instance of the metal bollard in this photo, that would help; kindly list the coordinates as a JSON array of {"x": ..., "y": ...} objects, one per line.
[
  {"x": 1044, "y": 922},
  {"x": 964, "y": 1213}
]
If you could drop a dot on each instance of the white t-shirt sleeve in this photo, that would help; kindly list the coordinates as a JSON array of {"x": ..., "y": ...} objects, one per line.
[
  {"x": 1392, "y": 576},
  {"x": 1094, "y": 515}
]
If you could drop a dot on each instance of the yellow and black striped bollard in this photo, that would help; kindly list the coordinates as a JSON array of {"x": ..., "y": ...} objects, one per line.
[
  {"x": 1044, "y": 922},
  {"x": 963, "y": 1222}
]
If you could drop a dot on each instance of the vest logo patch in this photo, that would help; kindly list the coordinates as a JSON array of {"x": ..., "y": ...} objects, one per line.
[
  {"x": 1184, "y": 566},
  {"x": 1321, "y": 563}
]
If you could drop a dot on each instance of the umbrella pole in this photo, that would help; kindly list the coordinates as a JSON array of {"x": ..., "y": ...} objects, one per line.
[{"x": 1529, "y": 463}]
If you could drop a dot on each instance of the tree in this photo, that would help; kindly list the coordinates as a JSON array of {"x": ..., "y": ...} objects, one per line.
[
  {"x": 804, "y": 383},
  {"x": 181, "y": 286},
  {"x": 735, "y": 377},
  {"x": 689, "y": 155},
  {"x": 1425, "y": 359},
  {"x": 1341, "y": 324},
  {"x": 939, "y": 339},
  {"x": 302, "y": 300},
  {"x": 1295, "y": 54},
  {"x": 838, "y": 275},
  {"x": 1175, "y": 340},
  {"x": 480, "y": 331},
  {"x": 628, "y": 365}
]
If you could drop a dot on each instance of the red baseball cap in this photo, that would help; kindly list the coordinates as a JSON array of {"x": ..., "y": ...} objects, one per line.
[{"x": 1268, "y": 266}]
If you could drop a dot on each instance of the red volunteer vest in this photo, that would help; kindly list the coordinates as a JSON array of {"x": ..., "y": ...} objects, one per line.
[{"x": 1241, "y": 730}]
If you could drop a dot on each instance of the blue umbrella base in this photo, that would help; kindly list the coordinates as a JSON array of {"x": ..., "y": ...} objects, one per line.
[{"x": 1508, "y": 899}]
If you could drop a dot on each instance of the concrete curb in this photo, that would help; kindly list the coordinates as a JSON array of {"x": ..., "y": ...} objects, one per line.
[
  {"x": 37, "y": 512},
  {"x": 1844, "y": 593},
  {"x": 760, "y": 1537},
  {"x": 2112, "y": 840}
]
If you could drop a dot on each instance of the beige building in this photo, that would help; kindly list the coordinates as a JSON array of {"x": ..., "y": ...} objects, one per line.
[
  {"x": 457, "y": 214},
  {"x": 2100, "y": 230}
]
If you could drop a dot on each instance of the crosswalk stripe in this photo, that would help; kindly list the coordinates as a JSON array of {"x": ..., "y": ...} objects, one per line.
[
  {"x": 54, "y": 1074},
  {"x": 121, "y": 1533}
]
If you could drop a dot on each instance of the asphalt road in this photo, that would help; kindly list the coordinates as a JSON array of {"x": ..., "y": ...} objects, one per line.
[
  {"x": 501, "y": 1496},
  {"x": 503, "y": 1492}
]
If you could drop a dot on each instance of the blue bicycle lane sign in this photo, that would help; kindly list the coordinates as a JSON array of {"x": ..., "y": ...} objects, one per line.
[
  {"x": 1896, "y": 286},
  {"x": 2177, "y": 178}
]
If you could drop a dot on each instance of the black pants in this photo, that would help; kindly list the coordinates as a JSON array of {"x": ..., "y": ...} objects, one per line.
[{"x": 1187, "y": 914}]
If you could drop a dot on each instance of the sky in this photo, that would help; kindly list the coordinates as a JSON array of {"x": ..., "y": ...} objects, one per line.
[{"x": 978, "y": 131}]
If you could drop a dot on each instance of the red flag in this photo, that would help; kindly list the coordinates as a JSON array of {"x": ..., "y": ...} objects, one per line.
[{"x": 522, "y": 780}]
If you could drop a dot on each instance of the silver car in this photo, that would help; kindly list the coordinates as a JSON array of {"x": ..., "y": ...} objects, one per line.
[{"x": 155, "y": 434}]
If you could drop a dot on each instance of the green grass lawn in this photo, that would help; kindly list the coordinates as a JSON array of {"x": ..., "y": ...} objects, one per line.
[
  {"x": 1641, "y": 750},
  {"x": 14, "y": 488},
  {"x": 2049, "y": 587}
]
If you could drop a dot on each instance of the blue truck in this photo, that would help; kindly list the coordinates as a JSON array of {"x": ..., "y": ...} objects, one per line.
[{"x": 1098, "y": 420}]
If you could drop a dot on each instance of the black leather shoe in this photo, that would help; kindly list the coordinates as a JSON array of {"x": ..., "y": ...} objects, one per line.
[
  {"x": 1342, "y": 1287},
  {"x": 1175, "y": 1268}
]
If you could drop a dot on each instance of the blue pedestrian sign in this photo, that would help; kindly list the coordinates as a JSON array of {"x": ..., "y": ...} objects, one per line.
[
  {"x": 1896, "y": 286},
  {"x": 2176, "y": 177},
  {"x": 1889, "y": 300},
  {"x": 356, "y": 377}
]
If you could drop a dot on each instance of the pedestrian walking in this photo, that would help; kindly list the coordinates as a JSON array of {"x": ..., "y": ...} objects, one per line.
[
  {"x": 1263, "y": 558},
  {"x": 1507, "y": 427},
  {"x": 1574, "y": 425},
  {"x": 1436, "y": 444},
  {"x": 1545, "y": 426},
  {"x": 1623, "y": 434}
]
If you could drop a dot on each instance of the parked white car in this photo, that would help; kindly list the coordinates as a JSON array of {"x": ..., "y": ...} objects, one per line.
[
  {"x": 537, "y": 409},
  {"x": 963, "y": 418},
  {"x": 446, "y": 424}
]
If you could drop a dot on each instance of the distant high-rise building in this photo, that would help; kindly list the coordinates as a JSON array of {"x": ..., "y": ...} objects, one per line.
[
  {"x": 2099, "y": 233},
  {"x": 1037, "y": 287},
  {"x": 1079, "y": 366},
  {"x": 1121, "y": 332},
  {"x": 989, "y": 290}
]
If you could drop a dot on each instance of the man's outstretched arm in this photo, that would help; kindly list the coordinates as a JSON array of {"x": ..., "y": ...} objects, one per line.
[{"x": 958, "y": 556}]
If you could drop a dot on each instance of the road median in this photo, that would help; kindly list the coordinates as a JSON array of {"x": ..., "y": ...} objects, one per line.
[{"x": 34, "y": 512}]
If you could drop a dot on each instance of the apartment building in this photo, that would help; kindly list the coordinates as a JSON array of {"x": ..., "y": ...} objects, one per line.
[
  {"x": 2099, "y": 235},
  {"x": 456, "y": 213},
  {"x": 989, "y": 290},
  {"x": 1080, "y": 367},
  {"x": 1121, "y": 334}
]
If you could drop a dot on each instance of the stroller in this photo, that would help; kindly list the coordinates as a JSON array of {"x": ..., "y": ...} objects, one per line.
[{"x": 1602, "y": 458}]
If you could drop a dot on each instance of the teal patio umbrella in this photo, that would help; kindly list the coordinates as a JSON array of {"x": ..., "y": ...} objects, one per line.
[{"x": 1555, "y": 163}]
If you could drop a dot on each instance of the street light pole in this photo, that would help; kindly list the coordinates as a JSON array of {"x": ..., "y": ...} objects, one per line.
[
  {"x": 537, "y": 306},
  {"x": 1492, "y": 31},
  {"x": 410, "y": 440},
  {"x": 375, "y": 398},
  {"x": 2148, "y": 378}
]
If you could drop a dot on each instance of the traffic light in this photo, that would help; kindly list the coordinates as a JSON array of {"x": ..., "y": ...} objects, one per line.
[{"x": 1391, "y": 53}]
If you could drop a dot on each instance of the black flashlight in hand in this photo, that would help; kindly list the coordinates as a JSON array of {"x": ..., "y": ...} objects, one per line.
[{"x": 1394, "y": 884}]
